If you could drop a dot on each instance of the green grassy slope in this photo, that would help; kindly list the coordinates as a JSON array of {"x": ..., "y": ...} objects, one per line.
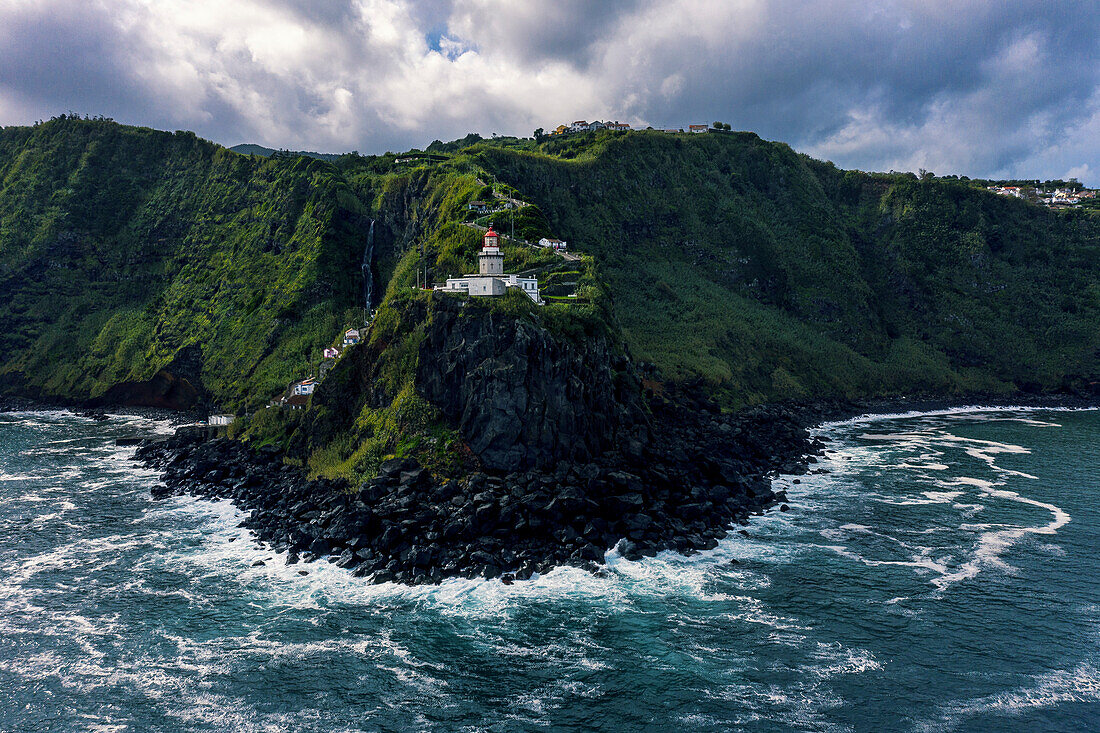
[
  {"x": 120, "y": 246},
  {"x": 775, "y": 276},
  {"x": 725, "y": 257}
]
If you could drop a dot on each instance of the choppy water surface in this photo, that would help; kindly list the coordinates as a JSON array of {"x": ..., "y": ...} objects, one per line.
[{"x": 941, "y": 576}]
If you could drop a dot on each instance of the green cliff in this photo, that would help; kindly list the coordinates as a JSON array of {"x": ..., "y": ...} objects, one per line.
[
  {"x": 773, "y": 276},
  {"x": 120, "y": 247},
  {"x": 157, "y": 268}
]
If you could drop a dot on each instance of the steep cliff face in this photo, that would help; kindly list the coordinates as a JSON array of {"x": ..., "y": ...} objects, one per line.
[
  {"x": 522, "y": 396},
  {"x": 122, "y": 248},
  {"x": 178, "y": 386}
]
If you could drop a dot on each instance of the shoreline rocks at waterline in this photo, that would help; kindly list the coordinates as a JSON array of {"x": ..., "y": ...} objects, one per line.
[{"x": 702, "y": 474}]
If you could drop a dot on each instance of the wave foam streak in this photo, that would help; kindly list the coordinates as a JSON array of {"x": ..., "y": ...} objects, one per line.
[{"x": 883, "y": 472}]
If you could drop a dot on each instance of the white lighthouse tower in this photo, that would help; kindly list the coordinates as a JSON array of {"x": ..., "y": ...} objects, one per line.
[{"x": 490, "y": 260}]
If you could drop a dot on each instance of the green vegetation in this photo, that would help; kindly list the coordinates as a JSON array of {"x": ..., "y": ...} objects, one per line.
[
  {"x": 121, "y": 246},
  {"x": 768, "y": 274},
  {"x": 775, "y": 276}
]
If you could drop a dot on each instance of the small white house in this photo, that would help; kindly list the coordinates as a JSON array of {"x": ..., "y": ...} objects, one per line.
[
  {"x": 351, "y": 337},
  {"x": 331, "y": 352},
  {"x": 491, "y": 278},
  {"x": 304, "y": 387},
  {"x": 697, "y": 128},
  {"x": 557, "y": 244},
  {"x": 220, "y": 420}
]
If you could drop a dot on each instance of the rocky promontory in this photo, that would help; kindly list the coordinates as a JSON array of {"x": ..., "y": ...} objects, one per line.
[
  {"x": 701, "y": 473},
  {"x": 572, "y": 447}
]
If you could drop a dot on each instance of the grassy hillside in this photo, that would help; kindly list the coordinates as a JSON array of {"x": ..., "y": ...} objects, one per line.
[
  {"x": 726, "y": 257},
  {"x": 775, "y": 276},
  {"x": 122, "y": 249},
  {"x": 121, "y": 246}
]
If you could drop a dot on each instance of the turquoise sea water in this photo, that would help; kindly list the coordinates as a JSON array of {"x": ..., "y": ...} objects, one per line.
[{"x": 941, "y": 576}]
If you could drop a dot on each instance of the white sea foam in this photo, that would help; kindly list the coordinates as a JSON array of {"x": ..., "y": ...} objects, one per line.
[
  {"x": 201, "y": 540},
  {"x": 950, "y": 412},
  {"x": 922, "y": 449},
  {"x": 1080, "y": 684},
  {"x": 930, "y": 497}
]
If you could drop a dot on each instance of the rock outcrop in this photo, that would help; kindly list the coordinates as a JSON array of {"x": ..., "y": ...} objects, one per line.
[
  {"x": 700, "y": 474},
  {"x": 574, "y": 456},
  {"x": 178, "y": 386},
  {"x": 524, "y": 397}
]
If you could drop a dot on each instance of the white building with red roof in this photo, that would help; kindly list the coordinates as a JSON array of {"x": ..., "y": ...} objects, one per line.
[{"x": 491, "y": 278}]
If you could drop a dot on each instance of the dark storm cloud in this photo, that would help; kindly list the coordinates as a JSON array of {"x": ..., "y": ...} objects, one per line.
[
  {"x": 73, "y": 57},
  {"x": 982, "y": 88},
  {"x": 565, "y": 31},
  {"x": 801, "y": 73},
  {"x": 66, "y": 57}
]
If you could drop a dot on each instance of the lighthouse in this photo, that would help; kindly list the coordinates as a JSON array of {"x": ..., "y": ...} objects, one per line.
[
  {"x": 490, "y": 260},
  {"x": 491, "y": 278}
]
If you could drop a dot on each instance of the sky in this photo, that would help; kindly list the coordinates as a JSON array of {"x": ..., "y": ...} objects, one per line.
[{"x": 981, "y": 88}]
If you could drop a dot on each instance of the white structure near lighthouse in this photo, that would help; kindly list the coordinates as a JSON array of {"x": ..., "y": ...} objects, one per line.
[{"x": 491, "y": 278}]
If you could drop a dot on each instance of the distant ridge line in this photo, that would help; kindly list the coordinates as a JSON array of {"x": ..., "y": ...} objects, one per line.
[{"x": 264, "y": 152}]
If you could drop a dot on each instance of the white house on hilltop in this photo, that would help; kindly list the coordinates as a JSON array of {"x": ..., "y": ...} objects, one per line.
[
  {"x": 557, "y": 244},
  {"x": 491, "y": 278}
]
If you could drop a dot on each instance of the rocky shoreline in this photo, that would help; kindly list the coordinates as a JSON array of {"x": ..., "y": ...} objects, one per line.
[{"x": 702, "y": 473}]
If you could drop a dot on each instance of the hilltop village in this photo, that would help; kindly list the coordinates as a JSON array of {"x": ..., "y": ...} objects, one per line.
[
  {"x": 584, "y": 126},
  {"x": 1054, "y": 197}
]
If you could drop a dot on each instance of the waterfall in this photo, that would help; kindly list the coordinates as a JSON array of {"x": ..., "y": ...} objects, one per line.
[{"x": 368, "y": 276}]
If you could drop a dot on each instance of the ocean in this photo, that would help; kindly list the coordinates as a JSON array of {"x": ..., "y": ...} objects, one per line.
[{"x": 936, "y": 572}]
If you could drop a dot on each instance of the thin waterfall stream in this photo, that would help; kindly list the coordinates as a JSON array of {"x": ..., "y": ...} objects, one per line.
[{"x": 368, "y": 275}]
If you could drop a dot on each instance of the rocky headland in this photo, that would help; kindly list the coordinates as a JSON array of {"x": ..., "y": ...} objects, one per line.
[
  {"x": 702, "y": 473},
  {"x": 573, "y": 448}
]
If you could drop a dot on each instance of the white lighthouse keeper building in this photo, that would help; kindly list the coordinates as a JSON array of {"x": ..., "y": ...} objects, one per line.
[{"x": 491, "y": 278}]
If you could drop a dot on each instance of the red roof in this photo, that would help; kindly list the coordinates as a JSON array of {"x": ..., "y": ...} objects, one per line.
[{"x": 491, "y": 233}]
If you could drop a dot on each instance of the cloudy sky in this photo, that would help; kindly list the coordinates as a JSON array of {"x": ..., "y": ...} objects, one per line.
[{"x": 977, "y": 87}]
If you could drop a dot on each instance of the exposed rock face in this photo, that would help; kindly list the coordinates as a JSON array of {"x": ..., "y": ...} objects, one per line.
[
  {"x": 522, "y": 397},
  {"x": 406, "y": 525},
  {"x": 575, "y": 457},
  {"x": 177, "y": 386}
]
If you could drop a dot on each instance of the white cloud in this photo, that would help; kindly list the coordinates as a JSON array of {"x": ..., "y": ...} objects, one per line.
[{"x": 979, "y": 88}]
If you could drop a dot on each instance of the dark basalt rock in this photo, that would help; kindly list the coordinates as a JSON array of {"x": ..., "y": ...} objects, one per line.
[
  {"x": 178, "y": 386},
  {"x": 700, "y": 473},
  {"x": 573, "y": 453},
  {"x": 523, "y": 397}
]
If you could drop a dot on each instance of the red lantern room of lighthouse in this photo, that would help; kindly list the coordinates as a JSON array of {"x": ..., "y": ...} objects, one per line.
[{"x": 491, "y": 260}]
